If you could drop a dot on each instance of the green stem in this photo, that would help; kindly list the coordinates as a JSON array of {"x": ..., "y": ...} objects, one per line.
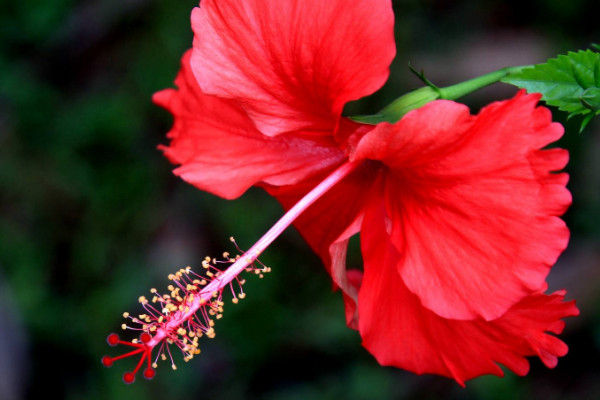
[
  {"x": 419, "y": 97},
  {"x": 461, "y": 89}
]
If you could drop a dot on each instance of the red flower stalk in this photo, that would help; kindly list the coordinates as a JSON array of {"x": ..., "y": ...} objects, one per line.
[{"x": 459, "y": 214}]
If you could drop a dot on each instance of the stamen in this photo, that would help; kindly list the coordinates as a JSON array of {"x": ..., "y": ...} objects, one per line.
[{"x": 187, "y": 312}]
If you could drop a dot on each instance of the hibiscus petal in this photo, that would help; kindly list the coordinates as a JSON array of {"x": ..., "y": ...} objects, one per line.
[
  {"x": 220, "y": 150},
  {"x": 399, "y": 331},
  {"x": 292, "y": 65},
  {"x": 473, "y": 203}
]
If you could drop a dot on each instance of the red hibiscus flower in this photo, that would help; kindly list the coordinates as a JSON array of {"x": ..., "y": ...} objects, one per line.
[{"x": 459, "y": 215}]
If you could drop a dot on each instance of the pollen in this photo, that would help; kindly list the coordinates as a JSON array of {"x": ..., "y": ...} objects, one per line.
[{"x": 177, "y": 319}]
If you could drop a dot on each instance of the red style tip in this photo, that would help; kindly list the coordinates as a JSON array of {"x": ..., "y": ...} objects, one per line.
[
  {"x": 145, "y": 337},
  {"x": 107, "y": 361},
  {"x": 128, "y": 377},
  {"x": 112, "y": 339},
  {"x": 149, "y": 373}
]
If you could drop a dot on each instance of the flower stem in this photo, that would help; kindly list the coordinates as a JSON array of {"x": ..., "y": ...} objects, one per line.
[
  {"x": 461, "y": 89},
  {"x": 419, "y": 97}
]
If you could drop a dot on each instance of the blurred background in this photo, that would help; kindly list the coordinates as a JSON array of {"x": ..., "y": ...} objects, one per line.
[{"x": 91, "y": 216}]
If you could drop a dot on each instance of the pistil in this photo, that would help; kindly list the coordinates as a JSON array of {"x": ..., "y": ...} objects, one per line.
[{"x": 186, "y": 313}]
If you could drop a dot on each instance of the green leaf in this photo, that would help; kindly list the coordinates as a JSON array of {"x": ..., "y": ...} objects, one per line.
[{"x": 570, "y": 82}]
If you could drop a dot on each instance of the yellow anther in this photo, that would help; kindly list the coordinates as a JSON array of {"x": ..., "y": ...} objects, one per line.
[
  {"x": 163, "y": 357},
  {"x": 219, "y": 316},
  {"x": 154, "y": 365},
  {"x": 125, "y": 314},
  {"x": 209, "y": 274},
  {"x": 225, "y": 254},
  {"x": 174, "y": 367},
  {"x": 134, "y": 341},
  {"x": 154, "y": 299},
  {"x": 171, "y": 277},
  {"x": 153, "y": 328},
  {"x": 242, "y": 295},
  {"x": 211, "y": 323},
  {"x": 142, "y": 300},
  {"x": 123, "y": 326},
  {"x": 160, "y": 319},
  {"x": 215, "y": 294},
  {"x": 153, "y": 290},
  {"x": 235, "y": 300}
]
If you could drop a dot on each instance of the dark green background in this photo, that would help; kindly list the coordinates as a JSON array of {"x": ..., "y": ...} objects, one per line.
[{"x": 91, "y": 216}]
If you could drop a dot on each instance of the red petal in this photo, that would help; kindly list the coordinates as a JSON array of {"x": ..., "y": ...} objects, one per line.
[
  {"x": 473, "y": 205},
  {"x": 400, "y": 332},
  {"x": 330, "y": 222},
  {"x": 221, "y": 151},
  {"x": 293, "y": 65}
]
